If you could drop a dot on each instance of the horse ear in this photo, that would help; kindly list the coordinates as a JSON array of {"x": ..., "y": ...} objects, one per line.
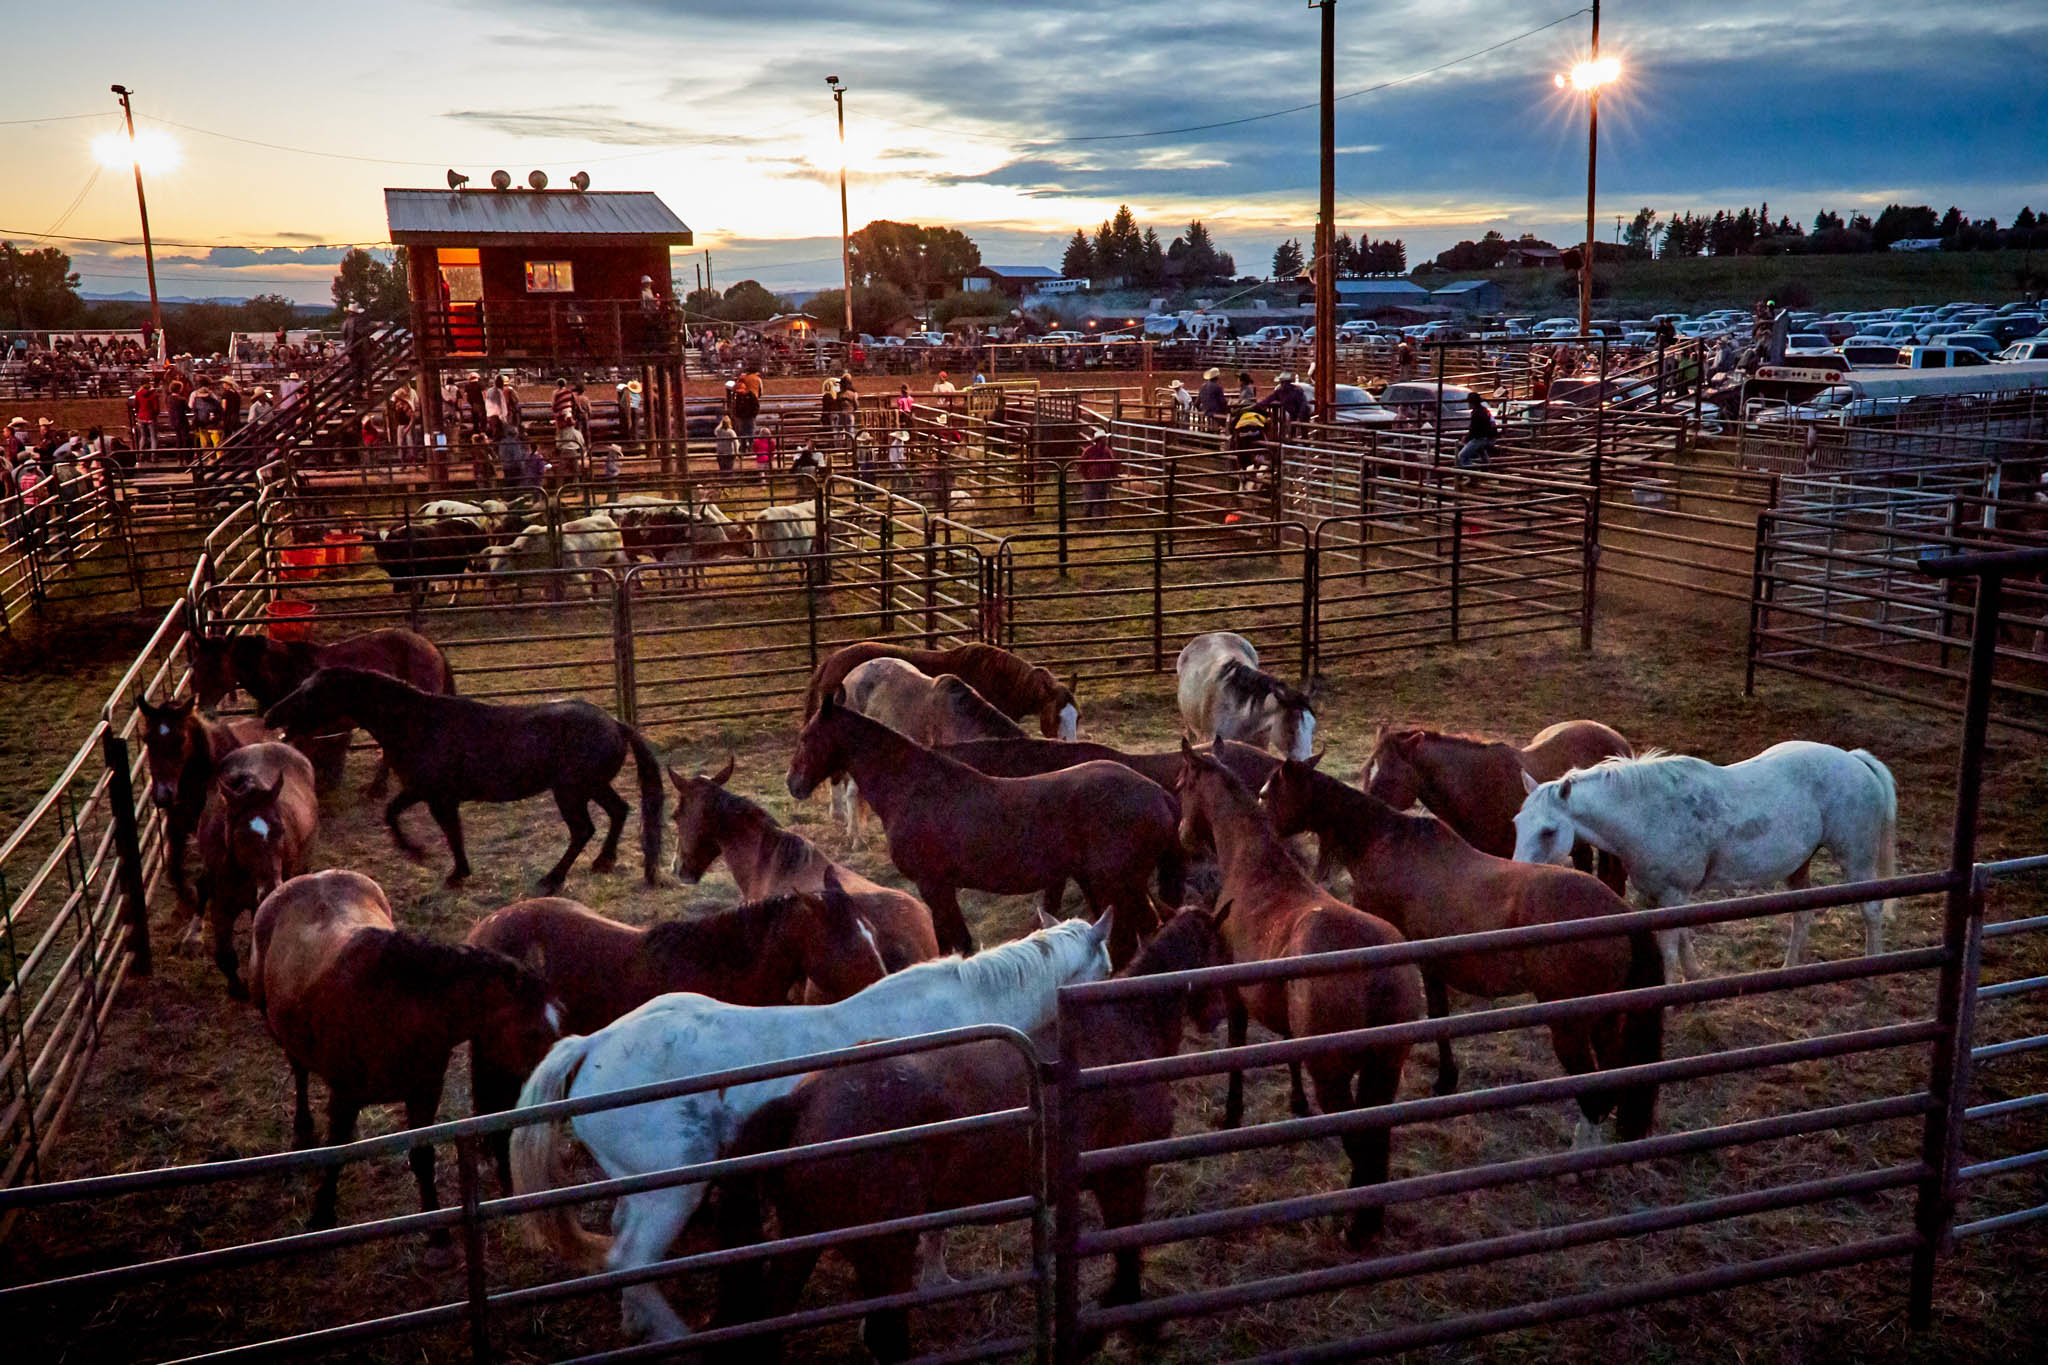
[
  {"x": 834, "y": 890},
  {"x": 676, "y": 779},
  {"x": 1529, "y": 784},
  {"x": 1099, "y": 931},
  {"x": 1046, "y": 921},
  {"x": 724, "y": 775},
  {"x": 1564, "y": 791},
  {"x": 1222, "y": 914},
  {"x": 1187, "y": 750},
  {"x": 142, "y": 703},
  {"x": 1315, "y": 759}
]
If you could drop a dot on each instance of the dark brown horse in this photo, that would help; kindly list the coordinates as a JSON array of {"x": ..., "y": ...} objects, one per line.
[
  {"x": 448, "y": 750},
  {"x": 376, "y": 1012},
  {"x": 1278, "y": 911},
  {"x": 1415, "y": 873},
  {"x": 1475, "y": 785},
  {"x": 1099, "y": 824},
  {"x": 254, "y": 836},
  {"x": 767, "y": 860},
  {"x": 184, "y": 749},
  {"x": 1012, "y": 685},
  {"x": 754, "y": 954},
  {"x": 930, "y": 1087},
  {"x": 269, "y": 669}
]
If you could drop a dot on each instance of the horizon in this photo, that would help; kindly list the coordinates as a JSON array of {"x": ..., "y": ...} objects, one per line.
[{"x": 1203, "y": 117}]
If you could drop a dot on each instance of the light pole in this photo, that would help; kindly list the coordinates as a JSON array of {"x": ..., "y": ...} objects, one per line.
[
  {"x": 1587, "y": 77},
  {"x": 845, "y": 238},
  {"x": 156, "y": 311},
  {"x": 1326, "y": 225}
]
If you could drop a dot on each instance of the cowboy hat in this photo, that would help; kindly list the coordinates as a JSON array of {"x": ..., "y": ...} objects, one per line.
[
  {"x": 1284, "y": 377},
  {"x": 17, "y": 421},
  {"x": 1212, "y": 373},
  {"x": 1178, "y": 385},
  {"x": 632, "y": 386}
]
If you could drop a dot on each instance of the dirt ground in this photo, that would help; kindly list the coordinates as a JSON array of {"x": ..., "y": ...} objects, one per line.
[{"x": 188, "y": 1076}]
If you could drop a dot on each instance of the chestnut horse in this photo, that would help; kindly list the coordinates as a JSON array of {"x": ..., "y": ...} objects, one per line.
[
  {"x": 767, "y": 860},
  {"x": 1475, "y": 785},
  {"x": 269, "y": 669},
  {"x": 1278, "y": 911},
  {"x": 912, "y": 1179},
  {"x": 1011, "y": 684},
  {"x": 448, "y": 750},
  {"x": 753, "y": 954},
  {"x": 1419, "y": 876},
  {"x": 1098, "y": 824},
  {"x": 254, "y": 836},
  {"x": 183, "y": 749},
  {"x": 932, "y": 711},
  {"x": 376, "y": 1012}
]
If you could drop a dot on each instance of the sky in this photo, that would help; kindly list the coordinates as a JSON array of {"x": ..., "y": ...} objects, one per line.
[{"x": 1015, "y": 122}]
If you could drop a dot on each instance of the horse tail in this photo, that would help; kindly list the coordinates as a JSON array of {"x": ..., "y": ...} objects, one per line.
[
  {"x": 1888, "y": 831},
  {"x": 540, "y": 1160},
  {"x": 650, "y": 803},
  {"x": 1642, "y": 1039}
]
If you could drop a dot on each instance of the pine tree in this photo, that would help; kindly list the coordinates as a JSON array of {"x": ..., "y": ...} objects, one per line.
[
  {"x": 1079, "y": 262},
  {"x": 1151, "y": 259},
  {"x": 1288, "y": 262}
]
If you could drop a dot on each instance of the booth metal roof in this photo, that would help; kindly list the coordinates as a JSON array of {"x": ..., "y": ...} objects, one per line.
[{"x": 453, "y": 217}]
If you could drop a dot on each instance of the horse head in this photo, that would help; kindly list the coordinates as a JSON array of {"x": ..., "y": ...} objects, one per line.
[
  {"x": 314, "y": 703},
  {"x": 167, "y": 743},
  {"x": 842, "y": 956},
  {"x": 1059, "y": 717},
  {"x": 1391, "y": 773},
  {"x": 1189, "y": 940},
  {"x": 255, "y": 832},
  {"x": 1544, "y": 828},
  {"x": 1197, "y": 786},
  {"x": 820, "y": 746},
  {"x": 697, "y": 846},
  {"x": 1289, "y": 793},
  {"x": 213, "y": 677},
  {"x": 518, "y": 1016}
]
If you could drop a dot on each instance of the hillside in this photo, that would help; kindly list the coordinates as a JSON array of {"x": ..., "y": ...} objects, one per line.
[{"x": 1877, "y": 280}]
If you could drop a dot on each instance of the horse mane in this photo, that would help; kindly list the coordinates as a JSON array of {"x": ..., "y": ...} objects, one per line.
[
  {"x": 731, "y": 937},
  {"x": 790, "y": 850},
  {"x": 1008, "y": 969},
  {"x": 1447, "y": 736},
  {"x": 970, "y": 705},
  {"x": 425, "y": 966},
  {"x": 1255, "y": 684},
  {"x": 1653, "y": 772}
]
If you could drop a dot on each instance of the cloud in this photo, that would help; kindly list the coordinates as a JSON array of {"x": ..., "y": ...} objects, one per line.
[{"x": 580, "y": 123}]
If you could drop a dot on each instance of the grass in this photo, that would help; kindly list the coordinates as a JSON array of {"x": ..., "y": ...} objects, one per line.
[{"x": 187, "y": 1076}]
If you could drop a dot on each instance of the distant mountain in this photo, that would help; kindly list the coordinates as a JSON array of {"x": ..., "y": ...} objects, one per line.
[{"x": 131, "y": 296}]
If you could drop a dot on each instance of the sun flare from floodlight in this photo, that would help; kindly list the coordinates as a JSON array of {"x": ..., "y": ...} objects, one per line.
[
  {"x": 1588, "y": 76},
  {"x": 154, "y": 152}
]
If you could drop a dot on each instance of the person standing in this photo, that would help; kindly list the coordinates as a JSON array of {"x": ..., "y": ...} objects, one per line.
[
  {"x": 1183, "y": 403},
  {"x": 147, "y": 406},
  {"x": 179, "y": 390},
  {"x": 473, "y": 396},
  {"x": 579, "y": 408},
  {"x": 944, "y": 385},
  {"x": 725, "y": 443},
  {"x": 1480, "y": 434},
  {"x": 404, "y": 418},
  {"x": 746, "y": 403},
  {"x": 230, "y": 406},
  {"x": 1098, "y": 467},
  {"x": 259, "y": 407},
  {"x": 1247, "y": 392},
  {"x": 1211, "y": 401},
  {"x": 562, "y": 405},
  {"x": 206, "y": 416},
  {"x": 1288, "y": 398}
]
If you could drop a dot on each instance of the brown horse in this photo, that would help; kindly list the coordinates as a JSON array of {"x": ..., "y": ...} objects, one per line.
[
  {"x": 930, "y": 1087},
  {"x": 754, "y": 954},
  {"x": 766, "y": 860},
  {"x": 932, "y": 711},
  {"x": 1475, "y": 785},
  {"x": 1011, "y": 684},
  {"x": 183, "y": 749},
  {"x": 376, "y": 1012},
  {"x": 1098, "y": 824},
  {"x": 1278, "y": 911},
  {"x": 1415, "y": 873},
  {"x": 268, "y": 670},
  {"x": 254, "y": 836}
]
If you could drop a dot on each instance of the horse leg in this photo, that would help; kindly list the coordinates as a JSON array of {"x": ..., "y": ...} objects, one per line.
[
  {"x": 614, "y": 805},
  {"x": 1121, "y": 1197},
  {"x": 575, "y": 809},
  {"x": 1054, "y": 899},
  {"x": 493, "y": 1091},
  {"x": 447, "y": 814},
  {"x": 1572, "y": 1040},
  {"x": 220, "y": 919},
  {"x": 646, "y": 1225},
  {"x": 302, "y": 1112},
  {"x": 341, "y": 1128},
  {"x": 1439, "y": 998},
  {"x": 419, "y": 1113},
  {"x": 954, "y": 936},
  {"x": 1367, "y": 1148},
  {"x": 380, "y": 780},
  {"x": 1239, "y": 1025},
  {"x": 1802, "y": 920},
  {"x": 886, "y": 1265},
  {"x": 398, "y": 805}
]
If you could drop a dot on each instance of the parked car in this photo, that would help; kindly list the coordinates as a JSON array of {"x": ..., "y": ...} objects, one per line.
[
  {"x": 1414, "y": 401},
  {"x": 2034, "y": 349},
  {"x": 1354, "y": 406},
  {"x": 1863, "y": 353},
  {"x": 1275, "y": 334},
  {"x": 1977, "y": 341},
  {"x": 1809, "y": 343},
  {"x": 1940, "y": 357},
  {"x": 925, "y": 339}
]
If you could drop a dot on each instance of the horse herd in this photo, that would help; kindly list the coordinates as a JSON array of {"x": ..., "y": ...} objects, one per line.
[
  {"x": 557, "y": 1001},
  {"x": 496, "y": 545}
]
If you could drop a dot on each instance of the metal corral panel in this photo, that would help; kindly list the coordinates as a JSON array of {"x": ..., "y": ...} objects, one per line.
[{"x": 443, "y": 217}]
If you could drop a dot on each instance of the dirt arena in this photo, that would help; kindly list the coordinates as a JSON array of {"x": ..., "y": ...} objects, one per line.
[{"x": 188, "y": 1076}]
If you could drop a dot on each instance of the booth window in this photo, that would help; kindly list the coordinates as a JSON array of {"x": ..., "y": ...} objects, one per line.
[{"x": 550, "y": 277}]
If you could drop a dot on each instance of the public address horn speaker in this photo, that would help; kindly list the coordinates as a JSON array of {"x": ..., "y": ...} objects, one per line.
[
  {"x": 581, "y": 180},
  {"x": 538, "y": 179},
  {"x": 500, "y": 180},
  {"x": 456, "y": 179}
]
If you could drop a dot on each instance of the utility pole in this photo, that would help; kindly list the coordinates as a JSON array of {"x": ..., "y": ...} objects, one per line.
[
  {"x": 156, "y": 310},
  {"x": 707, "y": 271},
  {"x": 1326, "y": 227},
  {"x": 845, "y": 238},
  {"x": 1592, "y": 172}
]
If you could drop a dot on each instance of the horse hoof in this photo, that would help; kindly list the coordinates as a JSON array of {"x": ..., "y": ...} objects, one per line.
[
  {"x": 1364, "y": 1230},
  {"x": 455, "y": 879},
  {"x": 1298, "y": 1106},
  {"x": 236, "y": 990},
  {"x": 605, "y": 863},
  {"x": 439, "y": 1256},
  {"x": 1446, "y": 1085}
]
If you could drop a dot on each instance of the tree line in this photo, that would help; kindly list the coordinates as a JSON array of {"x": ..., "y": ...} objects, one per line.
[
  {"x": 1751, "y": 232},
  {"x": 1354, "y": 260},
  {"x": 1119, "y": 254}
]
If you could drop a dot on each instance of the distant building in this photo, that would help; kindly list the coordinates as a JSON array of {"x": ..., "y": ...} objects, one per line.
[
  {"x": 1917, "y": 244},
  {"x": 1535, "y": 257},
  {"x": 1013, "y": 280},
  {"x": 1382, "y": 293},
  {"x": 1470, "y": 296}
]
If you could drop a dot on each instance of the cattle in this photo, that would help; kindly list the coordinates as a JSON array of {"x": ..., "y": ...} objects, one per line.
[
  {"x": 588, "y": 543},
  {"x": 420, "y": 554},
  {"x": 786, "y": 533}
]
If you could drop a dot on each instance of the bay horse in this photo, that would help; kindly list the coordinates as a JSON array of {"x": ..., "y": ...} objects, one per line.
[
  {"x": 1224, "y": 695},
  {"x": 255, "y": 834},
  {"x": 1008, "y": 682},
  {"x": 932, "y": 711},
  {"x": 1475, "y": 785},
  {"x": 1278, "y": 911},
  {"x": 759, "y": 953},
  {"x": 1098, "y": 824},
  {"x": 1414, "y": 872},
  {"x": 767, "y": 860},
  {"x": 448, "y": 750},
  {"x": 679, "y": 1035},
  {"x": 931, "y": 1087},
  {"x": 183, "y": 749},
  {"x": 1684, "y": 826},
  {"x": 376, "y": 1012},
  {"x": 269, "y": 669}
]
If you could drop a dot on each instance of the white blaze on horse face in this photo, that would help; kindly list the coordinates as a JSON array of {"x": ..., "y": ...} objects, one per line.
[
  {"x": 1304, "y": 737},
  {"x": 259, "y": 827},
  {"x": 553, "y": 1014},
  {"x": 867, "y": 931},
  {"x": 1070, "y": 721},
  {"x": 163, "y": 729},
  {"x": 1544, "y": 832}
]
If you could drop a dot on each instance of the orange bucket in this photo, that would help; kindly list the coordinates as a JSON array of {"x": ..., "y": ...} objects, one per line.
[
  {"x": 342, "y": 549},
  {"x": 303, "y": 561},
  {"x": 289, "y": 620}
]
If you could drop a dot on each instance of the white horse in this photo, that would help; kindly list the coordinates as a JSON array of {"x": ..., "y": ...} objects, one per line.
[
  {"x": 1224, "y": 695},
  {"x": 932, "y": 711},
  {"x": 1684, "y": 826},
  {"x": 673, "y": 1036}
]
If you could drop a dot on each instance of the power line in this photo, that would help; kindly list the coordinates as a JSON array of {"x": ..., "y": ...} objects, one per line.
[{"x": 52, "y": 118}]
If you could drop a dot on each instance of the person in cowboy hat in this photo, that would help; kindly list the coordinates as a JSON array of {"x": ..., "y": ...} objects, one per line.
[
  {"x": 1098, "y": 468},
  {"x": 1183, "y": 401},
  {"x": 1210, "y": 400},
  {"x": 1287, "y": 398}
]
